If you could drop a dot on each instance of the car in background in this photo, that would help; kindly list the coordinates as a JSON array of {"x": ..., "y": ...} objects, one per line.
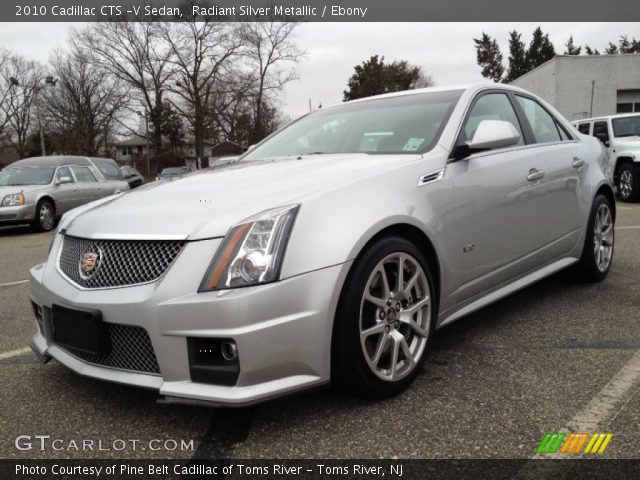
[
  {"x": 40, "y": 189},
  {"x": 170, "y": 173},
  {"x": 321, "y": 256},
  {"x": 133, "y": 177},
  {"x": 620, "y": 134}
]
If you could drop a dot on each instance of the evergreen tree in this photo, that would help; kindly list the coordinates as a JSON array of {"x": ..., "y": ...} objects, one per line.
[
  {"x": 540, "y": 49},
  {"x": 517, "y": 57},
  {"x": 589, "y": 51},
  {"x": 571, "y": 48},
  {"x": 489, "y": 57},
  {"x": 612, "y": 49}
]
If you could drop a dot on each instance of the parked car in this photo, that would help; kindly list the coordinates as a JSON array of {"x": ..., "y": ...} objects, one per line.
[
  {"x": 40, "y": 189},
  {"x": 132, "y": 176},
  {"x": 621, "y": 136},
  {"x": 170, "y": 173},
  {"x": 322, "y": 256}
]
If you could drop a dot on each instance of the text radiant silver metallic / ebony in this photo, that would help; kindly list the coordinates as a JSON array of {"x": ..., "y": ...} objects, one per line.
[{"x": 330, "y": 251}]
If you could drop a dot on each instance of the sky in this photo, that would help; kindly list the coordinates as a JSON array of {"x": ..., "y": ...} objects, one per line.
[{"x": 444, "y": 50}]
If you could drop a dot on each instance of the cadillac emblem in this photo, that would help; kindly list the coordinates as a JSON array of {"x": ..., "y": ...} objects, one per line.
[{"x": 90, "y": 263}]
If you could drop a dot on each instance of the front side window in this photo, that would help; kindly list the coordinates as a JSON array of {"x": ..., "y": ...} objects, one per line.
[
  {"x": 64, "y": 172},
  {"x": 601, "y": 131},
  {"x": 406, "y": 124},
  {"x": 584, "y": 128},
  {"x": 492, "y": 106},
  {"x": 544, "y": 126},
  {"x": 84, "y": 175}
]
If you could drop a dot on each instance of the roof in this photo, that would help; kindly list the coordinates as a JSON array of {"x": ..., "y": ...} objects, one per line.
[
  {"x": 52, "y": 161},
  {"x": 606, "y": 117}
]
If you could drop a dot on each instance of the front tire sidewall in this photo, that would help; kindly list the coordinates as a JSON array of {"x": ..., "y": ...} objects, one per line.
[
  {"x": 37, "y": 224},
  {"x": 349, "y": 369}
]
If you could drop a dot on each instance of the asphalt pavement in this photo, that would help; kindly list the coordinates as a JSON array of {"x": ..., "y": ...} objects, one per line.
[{"x": 556, "y": 355}]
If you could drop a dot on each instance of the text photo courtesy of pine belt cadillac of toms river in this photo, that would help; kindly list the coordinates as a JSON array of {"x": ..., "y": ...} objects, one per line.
[{"x": 329, "y": 252}]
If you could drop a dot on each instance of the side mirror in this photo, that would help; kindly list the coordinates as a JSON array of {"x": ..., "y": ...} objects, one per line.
[
  {"x": 251, "y": 147},
  {"x": 607, "y": 143},
  {"x": 62, "y": 180},
  {"x": 492, "y": 134}
]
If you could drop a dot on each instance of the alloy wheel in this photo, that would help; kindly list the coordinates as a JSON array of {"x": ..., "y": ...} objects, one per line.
[
  {"x": 626, "y": 183},
  {"x": 603, "y": 237},
  {"x": 46, "y": 216},
  {"x": 395, "y": 316}
]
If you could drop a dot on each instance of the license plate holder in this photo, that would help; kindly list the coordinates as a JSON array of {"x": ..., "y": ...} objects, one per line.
[{"x": 81, "y": 330}]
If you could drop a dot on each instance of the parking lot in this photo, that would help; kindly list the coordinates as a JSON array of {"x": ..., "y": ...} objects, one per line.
[{"x": 558, "y": 355}]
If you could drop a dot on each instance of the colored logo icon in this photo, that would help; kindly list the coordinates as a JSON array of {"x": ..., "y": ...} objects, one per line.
[{"x": 574, "y": 443}]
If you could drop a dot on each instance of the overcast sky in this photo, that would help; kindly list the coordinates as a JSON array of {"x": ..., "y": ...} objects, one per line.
[{"x": 444, "y": 50}]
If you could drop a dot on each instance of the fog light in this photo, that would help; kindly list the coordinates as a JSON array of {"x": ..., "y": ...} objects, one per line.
[{"x": 229, "y": 351}]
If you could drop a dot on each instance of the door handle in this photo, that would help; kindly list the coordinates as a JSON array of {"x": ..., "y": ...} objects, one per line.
[
  {"x": 577, "y": 162},
  {"x": 535, "y": 175}
]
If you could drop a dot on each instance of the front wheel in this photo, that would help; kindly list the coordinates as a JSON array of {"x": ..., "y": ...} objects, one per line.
[
  {"x": 384, "y": 321},
  {"x": 628, "y": 183},
  {"x": 45, "y": 216},
  {"x": 597, "y": 255}
]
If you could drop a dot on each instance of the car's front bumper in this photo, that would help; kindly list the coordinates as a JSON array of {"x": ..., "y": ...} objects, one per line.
[
  {"x": 19, "y": 214},
  {"x": 282, "y": 330}
]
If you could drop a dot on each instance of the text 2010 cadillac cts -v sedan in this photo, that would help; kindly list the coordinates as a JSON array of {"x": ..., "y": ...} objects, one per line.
[{"x": 329, "y": 252}]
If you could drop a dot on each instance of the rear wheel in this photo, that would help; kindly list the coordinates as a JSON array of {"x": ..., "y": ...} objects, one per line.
[
  {"x": 629, "y": 183},
  {"x": 384, "y": 321},
  {"x": 45, "y": 216},
  {"x": 597, "y": 255}
]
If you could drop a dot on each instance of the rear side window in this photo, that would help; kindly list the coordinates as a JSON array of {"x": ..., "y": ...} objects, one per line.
[
  {"x": 584, "y": 128},
  {"x": 544, "y": 126},
  {"x": 492, "y": 106},
  {"x": 108, "y": 169},
  {"x": 84, "y": 175}
]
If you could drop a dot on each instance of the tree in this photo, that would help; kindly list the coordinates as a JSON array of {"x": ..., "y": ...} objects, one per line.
[
  {"x": 517, "y": 57},
  {"x": 540, "y": 49},
  {"x": 589, "y": 51},
  {"x": 83, "y": 107},
  {"x": 23, "y": 80},
  {"x": 202, "y": 52},
  {"x": 571, "y": 48},
  {"x": 612, "y": 49},
  {"x": 489, "y": 57},
  {"x": 375, "y": 77},
  {"x": 135, "y": 53},
  {"x": 270, "y": 49}
]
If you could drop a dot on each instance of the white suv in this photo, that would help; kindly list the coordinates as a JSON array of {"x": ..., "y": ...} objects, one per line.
[{"x": 621, "y": 135}]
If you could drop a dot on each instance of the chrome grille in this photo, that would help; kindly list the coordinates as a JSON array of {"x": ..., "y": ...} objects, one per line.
[
  {"x": 130, "y": 350},
  {"x": 122, "y": 262}
]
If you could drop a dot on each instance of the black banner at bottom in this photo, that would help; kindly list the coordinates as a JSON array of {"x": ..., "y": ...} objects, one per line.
[{"x": 318, "y": 469}]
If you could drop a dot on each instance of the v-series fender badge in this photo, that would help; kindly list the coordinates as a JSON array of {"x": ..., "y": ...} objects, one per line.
[{"x": 468, "y": 248}]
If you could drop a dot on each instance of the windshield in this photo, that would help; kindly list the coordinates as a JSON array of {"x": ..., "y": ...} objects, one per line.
[
  {"x": 626, "y": 126},
  {"x": 404, "y": 125},
  {"x": 26, "y": 176}
]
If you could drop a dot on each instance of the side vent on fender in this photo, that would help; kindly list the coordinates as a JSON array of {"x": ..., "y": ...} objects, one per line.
[{"x": 431, "y": 177}]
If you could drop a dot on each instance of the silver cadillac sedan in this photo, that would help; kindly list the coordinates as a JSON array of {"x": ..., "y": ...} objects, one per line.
[{"x": 330, "y": 252}]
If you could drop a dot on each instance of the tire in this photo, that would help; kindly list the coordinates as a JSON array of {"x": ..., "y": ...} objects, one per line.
[
  {"x": 362, "y": 364},
  {"x": 628, "y": 183},
  {"x": 597, "y": 254},
  {"x": 45, "y": 219}
]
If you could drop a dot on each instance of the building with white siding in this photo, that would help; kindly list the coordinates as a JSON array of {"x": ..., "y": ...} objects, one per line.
[{"x": 582, "y": 86}]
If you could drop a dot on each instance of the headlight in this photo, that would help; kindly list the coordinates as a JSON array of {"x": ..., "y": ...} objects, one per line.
[
  {"x": 13, "y": 200},
  {"x": 252, "y": 252}
]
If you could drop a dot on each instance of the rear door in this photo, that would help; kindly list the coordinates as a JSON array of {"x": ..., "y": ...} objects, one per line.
[{"x": 563, "y": 160}]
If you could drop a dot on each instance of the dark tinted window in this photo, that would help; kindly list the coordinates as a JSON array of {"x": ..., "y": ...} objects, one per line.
[
  {"x": 600, "y": 131},
  {"x": 584, "y": 128},
  {"x": 624, "y": 108}
]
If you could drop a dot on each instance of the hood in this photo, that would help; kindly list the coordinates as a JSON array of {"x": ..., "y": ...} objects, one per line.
[
  {"x": 207, "y": 203},
  {"x": 630, "y": 143}
]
